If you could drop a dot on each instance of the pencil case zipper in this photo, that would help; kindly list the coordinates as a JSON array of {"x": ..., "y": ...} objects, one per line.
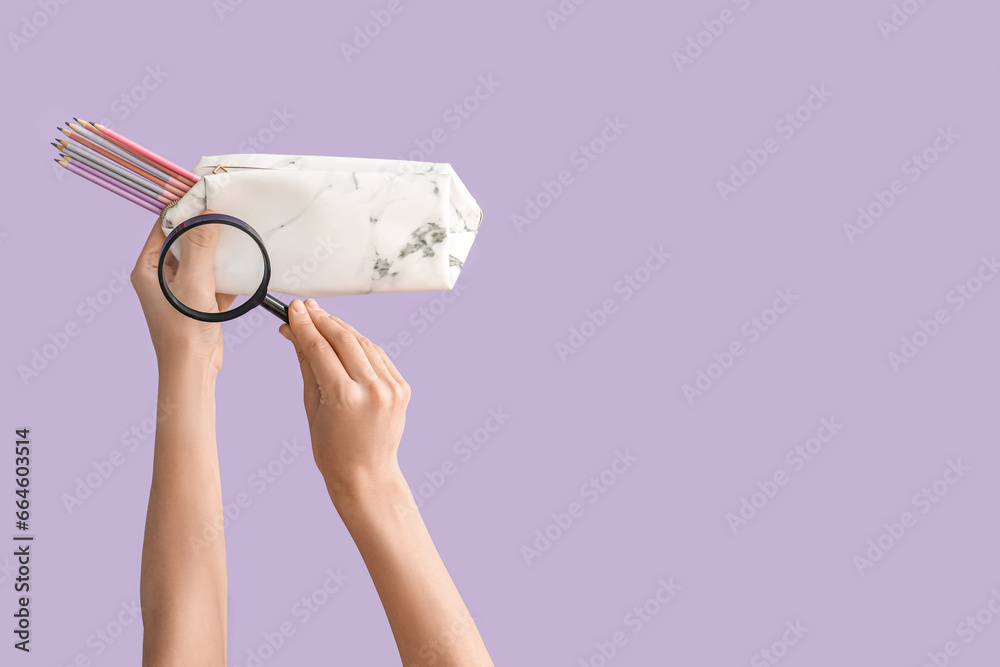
[{"x": 227, "y": 167}]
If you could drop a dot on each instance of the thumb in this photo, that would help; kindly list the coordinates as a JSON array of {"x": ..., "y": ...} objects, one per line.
[
  {"x": 310, "y": 388},
  {"x": 196, "y": 269}
]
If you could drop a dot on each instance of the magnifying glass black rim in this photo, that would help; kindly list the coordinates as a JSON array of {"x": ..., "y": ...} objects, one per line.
[{"x": 252, "y": 302}]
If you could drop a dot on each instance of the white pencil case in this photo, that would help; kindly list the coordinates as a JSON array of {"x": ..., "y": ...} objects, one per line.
[{"x": 335, "y": 226}]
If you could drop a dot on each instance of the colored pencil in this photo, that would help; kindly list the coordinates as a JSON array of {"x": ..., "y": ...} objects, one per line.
[
  {"x": 122, "y": 166},
  {"x": 128, "y": 165},
  {"x": 130, "y": 145},
  {"x": 132, "y": 163},
  {"x": 117, "y": 190},
  {"x": 107, "y": 179},
  {"x": 135, "y": 156},
  {"x": 121, "y": 152},
  {"x": 125, "y": 182},
  {"x": 111, "y": 169}
]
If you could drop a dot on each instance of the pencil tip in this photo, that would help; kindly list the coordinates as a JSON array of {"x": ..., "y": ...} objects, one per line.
[
  {"x": 78, "y": 120},
  {"x": 64, "y": 131}
]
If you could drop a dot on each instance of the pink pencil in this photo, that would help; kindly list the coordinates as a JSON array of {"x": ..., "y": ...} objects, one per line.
[
  {"x": 135, "y": 148},
  {"x": 76, "y": 169}
]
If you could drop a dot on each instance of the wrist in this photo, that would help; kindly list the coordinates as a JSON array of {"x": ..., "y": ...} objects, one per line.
[
  {"x": 371, "y": 491},
  {"x": 187, "y": 368}
]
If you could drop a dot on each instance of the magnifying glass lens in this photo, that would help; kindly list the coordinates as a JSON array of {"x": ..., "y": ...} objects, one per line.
[{"x": 203, "y": 258}]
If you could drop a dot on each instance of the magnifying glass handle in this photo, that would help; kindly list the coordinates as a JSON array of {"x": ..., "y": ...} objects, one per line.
[{"x": 275, "y": 307}]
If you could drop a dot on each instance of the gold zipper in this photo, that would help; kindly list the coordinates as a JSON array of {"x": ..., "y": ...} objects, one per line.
[
  {"x": 226, "y": 168},
  {"x": 163, "y": 211}
]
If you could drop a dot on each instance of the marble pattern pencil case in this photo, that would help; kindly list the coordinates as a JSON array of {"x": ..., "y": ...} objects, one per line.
[{"x": 336, "y": 226}]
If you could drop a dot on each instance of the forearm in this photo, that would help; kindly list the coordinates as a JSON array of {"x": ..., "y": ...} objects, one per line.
[
  {"x": 429, "y": 620},
  {"x": 183, "y": 576}
]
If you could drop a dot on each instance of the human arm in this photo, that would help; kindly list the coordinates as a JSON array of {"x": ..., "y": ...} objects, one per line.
[
  {"x": 182, "y": 586},
  {"x": 355, "y": 401}
]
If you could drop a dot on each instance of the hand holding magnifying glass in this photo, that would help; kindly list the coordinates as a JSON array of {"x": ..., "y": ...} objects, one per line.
[
  {"x": 192, "y": 291},
  {"x": 178, "y": 339}
]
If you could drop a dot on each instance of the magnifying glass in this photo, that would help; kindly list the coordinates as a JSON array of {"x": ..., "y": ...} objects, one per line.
[{"x": 243, "y": 258}]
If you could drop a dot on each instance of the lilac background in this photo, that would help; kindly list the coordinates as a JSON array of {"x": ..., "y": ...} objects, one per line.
[{"x": 521, "y": 292}]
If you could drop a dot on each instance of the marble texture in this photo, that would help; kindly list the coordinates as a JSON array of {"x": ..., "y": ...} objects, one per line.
[{"x": 335, "y": 226}]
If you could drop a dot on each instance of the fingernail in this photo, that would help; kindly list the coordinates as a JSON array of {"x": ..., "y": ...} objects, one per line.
[
  {"x": 297, "y": 306},
  {"x": 312, "y": 304}
]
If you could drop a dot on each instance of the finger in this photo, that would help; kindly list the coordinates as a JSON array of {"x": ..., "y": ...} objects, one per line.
[
  {"x": 172, "y": 260},
  {"x": 225, "y": 301},
  {"x": 170, "y": 265},
  {"x": 149, "y": 256},
  {"x": 329, "y": 372},
  {"x": 391, "y": 366},
  {"x": 344, "y": 343},
  {"x": 197, "y": 264},
  {"x": 310, "y": 389},
  {"x": 374, "y": 358}
]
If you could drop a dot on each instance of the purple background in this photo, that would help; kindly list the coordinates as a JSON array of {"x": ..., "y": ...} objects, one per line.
[{"x": 222, "y": 75}]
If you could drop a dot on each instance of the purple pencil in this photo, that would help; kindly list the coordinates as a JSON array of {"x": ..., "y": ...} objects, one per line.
[
  {"x": 122, "y": 186},
  {"x": 107, "y": 183}
]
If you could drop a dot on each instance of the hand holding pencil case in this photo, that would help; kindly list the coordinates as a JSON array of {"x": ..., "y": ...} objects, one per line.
[{"x": 337, "y": 226}]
